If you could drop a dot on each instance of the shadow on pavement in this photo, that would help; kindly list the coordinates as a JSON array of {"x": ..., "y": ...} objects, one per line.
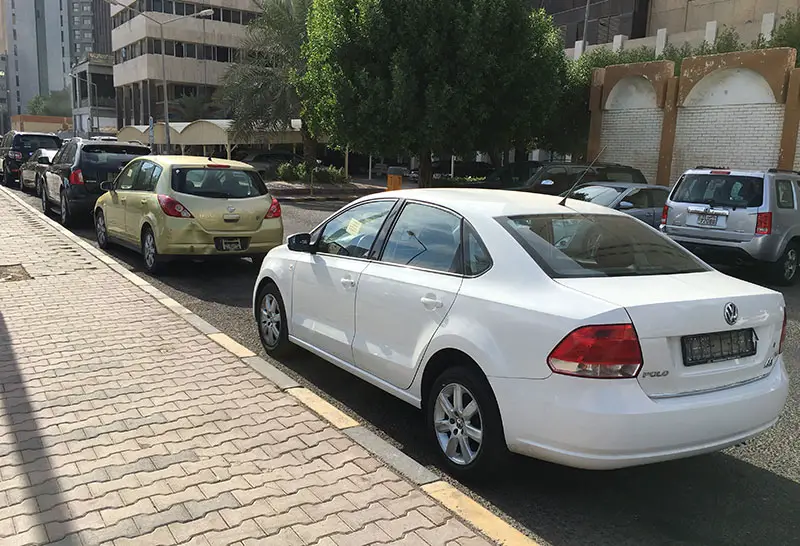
[{"x": 27, "y": 454}]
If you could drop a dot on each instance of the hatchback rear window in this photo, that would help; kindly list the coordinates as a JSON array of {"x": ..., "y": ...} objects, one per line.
[
  {"x": 34, "y": 142},
  {"x": 597, "y": 245},
  {"x": 218, "y": 183},
  {"x": 109, "y": 156},
  {"x": 720, "y": 189}
]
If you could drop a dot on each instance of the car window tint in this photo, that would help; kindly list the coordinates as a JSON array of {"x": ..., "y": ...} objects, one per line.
[
  {"x": 720, "y": 190},
  {"x": 157, "y": 170},
  {"x": 425, "y": 237},
  {"x": 352, "y": 232},
  {"x": 658, "y": 198},
  {"x": 142, "y": 180},
  {"x": 785, "y": 194},
  {"x": 34, "y": 142},
  {"x": 69, "y": 153},
  {"x": 620, "y": 176},
  {"x": 599, "y": 195},
  {"x": 128, "y": 175},
  {"x": 219, "y": 183},
  {"x": 638, "y": 198},
  {"x": 476, "y": 257}
]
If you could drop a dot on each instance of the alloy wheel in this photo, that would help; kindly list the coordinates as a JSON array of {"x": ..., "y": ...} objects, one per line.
[
  {"x": 458, "y": 423},
  {"x": 45, "y": 206},
  {"x": 270, "y": 320},
  {"x": 100, "y": 228},
  {"x": 790, "y": 264},
  {"x": 64, "y": 210},
  {"x": 149, "y": 250}
]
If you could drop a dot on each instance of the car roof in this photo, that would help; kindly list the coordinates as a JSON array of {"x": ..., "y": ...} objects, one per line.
[
  {"x": 110, "y": 143},
  {"x": 35, "y": 133},
  {"x": 737, "y": 172},
  {"x": 482, "y": 202},
  {"x": 195, "y": 161},
  {"x": 626, "y": 185}
]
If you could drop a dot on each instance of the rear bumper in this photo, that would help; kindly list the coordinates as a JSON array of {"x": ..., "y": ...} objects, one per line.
[
  {"x": 183, "y": 237},
  {"x": 607, "y": 424},
  {"x": 761, "y": 248},
  {"x": 80, "y": 201}
]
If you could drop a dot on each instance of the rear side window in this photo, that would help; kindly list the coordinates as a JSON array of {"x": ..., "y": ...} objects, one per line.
[
  {"x": 595, "y": 245},
  {"x": 218, "y": 183},
  {"x": 34, "y": 142},
  {"x": 109, "y": 156},
  {"x": 720, "y": 189},
  {"x": 785, "y": 195}
]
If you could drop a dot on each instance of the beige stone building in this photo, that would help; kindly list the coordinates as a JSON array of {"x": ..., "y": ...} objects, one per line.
[{"x": 196, "y": 51}]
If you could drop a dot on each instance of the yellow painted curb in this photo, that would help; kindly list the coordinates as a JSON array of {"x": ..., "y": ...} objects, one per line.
[
  {"x": 239, "y": 350},
  {"x": 330, "y": 413},
  {"x": 476, "y": 515}
]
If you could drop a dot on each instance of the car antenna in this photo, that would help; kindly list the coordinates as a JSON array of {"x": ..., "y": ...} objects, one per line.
[{"x": 563, "y": 202}]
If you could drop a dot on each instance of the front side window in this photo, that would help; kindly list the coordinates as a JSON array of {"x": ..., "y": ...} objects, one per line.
[
  {"x": 720, "y": 190},
  {"x": 639, "y": 199},
  {"x": 785, "y": 194},
  {"x": 353, "y": 232},
  {"x": 425, "y": 237},
  {"x": 598, "y": 245},
  {"x": 127, "y": 176},
  {"x": 218, "y": 183},
  {"x": 658, "y": 198},
  {"x": 147, "y": 177}
]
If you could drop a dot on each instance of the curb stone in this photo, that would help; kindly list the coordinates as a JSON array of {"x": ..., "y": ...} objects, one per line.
[{"x": 467, "y": 509}]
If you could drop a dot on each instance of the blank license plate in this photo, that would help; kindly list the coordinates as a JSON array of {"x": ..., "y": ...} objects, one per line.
[
  {"x": 707, "y": 220},
  {"x": 705, "y": 348},
  {"x": 231, "y": 244}
]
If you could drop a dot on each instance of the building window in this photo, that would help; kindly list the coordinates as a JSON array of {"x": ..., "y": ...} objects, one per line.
[
  {"x": 158, "y": 5},
  {"x": 87, "y": 35},
  {"x": 178, "y": 49},
  {"x": 190, "y": 50},
  {"x": 76, "y": 34},
  {"x": 76, "y": 21},
  {"x": 227, "y": 16},
  {"x": 169, "y": 47},
  {"x": 86, "y": 7},
  {"x": 15, "y": 33},
  {"x": 224, "y": 54},
  {"x": 168, "y": 6},
  {"x": 87, "y": 21}
]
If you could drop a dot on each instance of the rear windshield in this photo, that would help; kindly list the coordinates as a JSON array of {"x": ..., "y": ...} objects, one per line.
[
  {"x": 104, "y": 156},
  {"x": 34, "y": 142},
  {"x": 219, "y": 183},
  {"x": 596, "y": 245},
  {"x": 599, "y": 195},
  {"x": 720, "y": 189}
]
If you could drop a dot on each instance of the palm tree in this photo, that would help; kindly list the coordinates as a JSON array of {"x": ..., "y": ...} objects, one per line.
[
  {"x": 260, "y": 88},
  {"x": 192, "y": 107}
]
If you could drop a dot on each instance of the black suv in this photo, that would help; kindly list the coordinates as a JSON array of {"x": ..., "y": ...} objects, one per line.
[
  {"x": 17, "y": 147},
  {"x": 72, "y": 180},
  {"x": 555, "y": 178}
]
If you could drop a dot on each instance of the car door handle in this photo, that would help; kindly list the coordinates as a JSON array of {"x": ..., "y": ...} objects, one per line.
[
  {"x": 347, "y": 282},
  {"x": 431, "y": 302}
]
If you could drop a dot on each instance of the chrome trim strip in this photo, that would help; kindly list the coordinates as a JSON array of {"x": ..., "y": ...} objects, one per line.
[{"x": 712, "y": 389}]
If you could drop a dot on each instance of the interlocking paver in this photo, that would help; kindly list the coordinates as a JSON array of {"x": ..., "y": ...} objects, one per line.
[{"x": 155, "y": 434}]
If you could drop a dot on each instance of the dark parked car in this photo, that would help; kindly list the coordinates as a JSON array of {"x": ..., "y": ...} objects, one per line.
[
  {"x": 555, "y": 178},
  {"x": 72, "y": 181},
  {"x": 17, "y": 147},
  {"x": 31, "y": 173},
  {"x": 642, "y": 201},
  {"x": 513, "y": 174}
]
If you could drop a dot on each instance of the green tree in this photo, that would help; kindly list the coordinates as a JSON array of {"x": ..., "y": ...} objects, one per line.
[
  {"x": 36, "y": 105},
  {"x": 192, "y": 107},
  {"x": 57, "y": 103},
  {"x": 260, "y": 89},
  {"x": 429, "y": 76},
  {"x": 787, "y": 33}
]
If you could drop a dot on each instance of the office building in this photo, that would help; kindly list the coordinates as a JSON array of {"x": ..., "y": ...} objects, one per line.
[
  {"x": 607, "y": 18},
  {"x": 93, "y": 98},
  {"x": 90, "y": 27},
  {"x": 196, "y": 51}
]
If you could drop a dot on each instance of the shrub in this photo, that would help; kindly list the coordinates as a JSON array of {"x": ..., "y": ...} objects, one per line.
[
  {"x": 287, "y": 172},
  {"x": 329, "y": 175}
]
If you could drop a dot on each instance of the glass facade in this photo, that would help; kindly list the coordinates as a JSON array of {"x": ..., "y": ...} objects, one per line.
[{"x": 607, "y": 18}]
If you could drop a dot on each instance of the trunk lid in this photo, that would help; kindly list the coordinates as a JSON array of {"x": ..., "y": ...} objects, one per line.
[
  {"x": 666, "y": 308},
  {"x": 228, "y": 215}
]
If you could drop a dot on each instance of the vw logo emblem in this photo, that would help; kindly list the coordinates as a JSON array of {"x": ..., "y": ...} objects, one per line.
[{"x": 731, "y": 313}]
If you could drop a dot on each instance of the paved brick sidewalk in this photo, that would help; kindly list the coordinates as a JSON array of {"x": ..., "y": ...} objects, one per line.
[{"x": 121, "y": 423}]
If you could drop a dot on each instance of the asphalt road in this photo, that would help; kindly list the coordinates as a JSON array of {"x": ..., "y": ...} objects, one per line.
[{"x": 744, "y": 496}]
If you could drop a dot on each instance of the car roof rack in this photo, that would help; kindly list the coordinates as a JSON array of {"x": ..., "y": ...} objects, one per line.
[
  {"x": 712, "y": 167},
  {"x": 787, "y": 171}
]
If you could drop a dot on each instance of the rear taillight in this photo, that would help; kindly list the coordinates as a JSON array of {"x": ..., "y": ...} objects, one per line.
[
  {"x": 783, "y": 333},
  {"x": 274, "y": 209},
  {"x": 173, "y": 208},
  {"x": 664, "y": 214},
  {"x": 76, "y": 177},
  {"x": 764, "y": 223},
  {"x": 607, "y": 352},
  {"x": 14, "y": 155}
]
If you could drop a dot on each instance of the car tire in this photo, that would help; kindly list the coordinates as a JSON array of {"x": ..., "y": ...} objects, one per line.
[
  {"x": 65, "y": 214},
  {"x": 37, "y": 188},
  {"x": 785, "y": 270},
  {"x": 45, "y": 202},
  {"x": 101, "y": 230},
  {"x": 469, "y": 442},
  {"x": 153, "y": 264},
  {"x": 272, "y": 323}
]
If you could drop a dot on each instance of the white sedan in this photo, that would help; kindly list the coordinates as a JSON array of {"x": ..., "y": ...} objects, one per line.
[{"x": 571, "y": 333}]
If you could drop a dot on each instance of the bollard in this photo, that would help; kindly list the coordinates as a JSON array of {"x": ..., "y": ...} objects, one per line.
[{"x": 394, "y": 178}]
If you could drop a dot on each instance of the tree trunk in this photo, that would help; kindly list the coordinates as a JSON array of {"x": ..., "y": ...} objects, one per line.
[
  {"x": 425, "y": 169},
  {"x": 505, "y": 157},
  {"x": 520, "y": 155},
  {"x": 309, "y": 148},
  {"x": 494, "y": 157}
]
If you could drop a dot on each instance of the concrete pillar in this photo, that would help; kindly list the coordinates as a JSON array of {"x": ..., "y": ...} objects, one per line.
[
  {"x": 661, "y": 41},
  {"x": 767, "y": 25},
  {"x": 618, "y": 42},
  {"x": 711, "y": 32},
  {"x": 580, "y": 47}
]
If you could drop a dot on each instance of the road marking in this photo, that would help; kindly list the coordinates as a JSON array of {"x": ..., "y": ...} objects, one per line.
[
  {"x": 327, "y": 411},
  {"x": 476, "y": 515},
  {"x": 239, "y": 350}
]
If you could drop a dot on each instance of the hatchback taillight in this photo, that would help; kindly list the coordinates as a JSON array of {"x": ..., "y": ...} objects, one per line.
[
  {"x": 610, "y": 351},
  {"x": 14, "y": 155},
  {"x": 664, "y": 215},
  {"x": 172, "y": 207},
  {"x": 76, "y": 177},
  {"x": 764, "y": 223},
  {"x": 274, "y": 209},
  {"x": 783, "y": 333}
]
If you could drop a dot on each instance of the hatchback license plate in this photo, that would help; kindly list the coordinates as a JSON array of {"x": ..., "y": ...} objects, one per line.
[
  {"x": 707, "y": 220},
  {"x": 706, "y": 348},
  {"x": 231, "y": 244}
]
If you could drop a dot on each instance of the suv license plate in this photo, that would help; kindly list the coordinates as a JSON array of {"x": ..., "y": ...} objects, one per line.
[
  {"x": 231, "y": 244},
  {"x": 707, "y": 220}
]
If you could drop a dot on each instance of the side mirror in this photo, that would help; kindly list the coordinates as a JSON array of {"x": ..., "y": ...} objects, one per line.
[
  {"x": 43, "y": 160},
  {"x": 300, "y": 242},
  {"x": 107, "y": 186},
  {"x": 625, "y": 205}
]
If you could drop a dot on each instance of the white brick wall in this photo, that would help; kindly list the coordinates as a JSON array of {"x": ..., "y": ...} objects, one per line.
[
  {"x": 796, "y": 165},
  {"x": 736, "y": 136},
  {"x": 632, "y": 137}
]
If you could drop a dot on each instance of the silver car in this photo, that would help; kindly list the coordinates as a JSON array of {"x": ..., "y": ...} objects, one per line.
[
  {"x": 738, "y": 217},
  {"x": 642, "y": 201}
]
